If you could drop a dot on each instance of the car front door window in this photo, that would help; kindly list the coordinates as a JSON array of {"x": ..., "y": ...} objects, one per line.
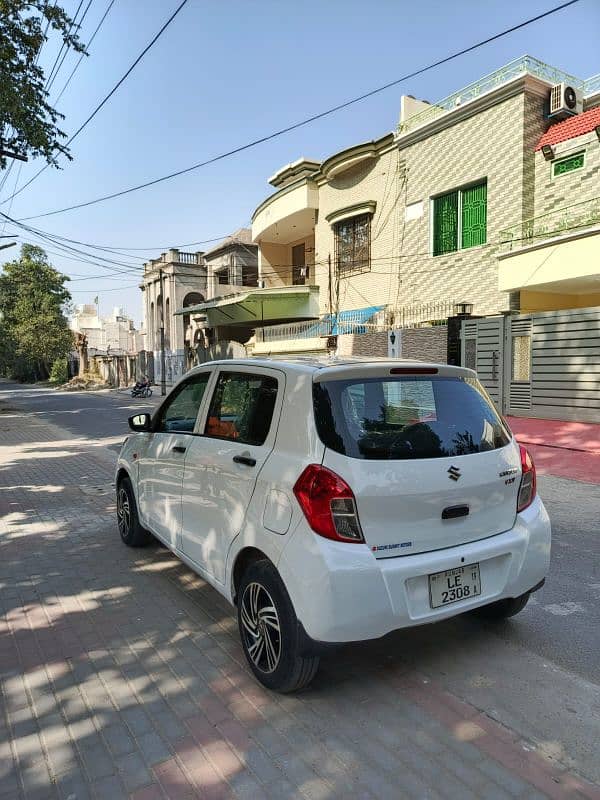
[{"x": 179, "y": 413}]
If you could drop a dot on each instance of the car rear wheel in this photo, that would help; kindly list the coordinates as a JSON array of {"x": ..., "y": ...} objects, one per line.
[
  {"x": 503, "y": 609},
  {"x": 132, "y": 533},
  {"x": 269, "y": 631}
]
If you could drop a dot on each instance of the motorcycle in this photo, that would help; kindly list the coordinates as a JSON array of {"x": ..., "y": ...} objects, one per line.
[{"x": 141, "y": 390}]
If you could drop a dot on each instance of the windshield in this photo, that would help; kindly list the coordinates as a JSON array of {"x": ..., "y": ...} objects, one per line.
[{"x": 407, "y": 418}]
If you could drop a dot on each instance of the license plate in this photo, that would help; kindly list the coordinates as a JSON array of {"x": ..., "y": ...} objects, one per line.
[{"x": 453, "y": 585}]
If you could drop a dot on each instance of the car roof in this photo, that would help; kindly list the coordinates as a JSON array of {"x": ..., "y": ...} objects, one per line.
[{"x": 322, "y": 364}]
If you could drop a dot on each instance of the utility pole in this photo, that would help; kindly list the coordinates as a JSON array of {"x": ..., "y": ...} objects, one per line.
[
  {"x": 163, "y": 362},
  {"x": 12, "y": 154},
  {"x": 329, "y": 284}
]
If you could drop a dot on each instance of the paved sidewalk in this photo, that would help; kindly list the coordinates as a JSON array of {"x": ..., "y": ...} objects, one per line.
[
  {"x": 567, "y": 449},
  {"x": 122, "y": 676}
]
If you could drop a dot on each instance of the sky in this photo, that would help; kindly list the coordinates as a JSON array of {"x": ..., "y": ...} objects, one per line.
[{"x": 223, "y": 74}]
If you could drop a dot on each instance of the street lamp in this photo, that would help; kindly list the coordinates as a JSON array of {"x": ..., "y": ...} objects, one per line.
[
  {"x": 548, "y": 152},
  {"x": 463, "y": 309}
]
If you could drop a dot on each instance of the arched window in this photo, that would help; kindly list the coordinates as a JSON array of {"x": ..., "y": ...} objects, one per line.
[{"x": 191, "y": 299}]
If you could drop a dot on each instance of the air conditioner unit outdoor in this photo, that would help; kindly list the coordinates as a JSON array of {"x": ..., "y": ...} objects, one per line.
[{"x": 565, "y": 100}]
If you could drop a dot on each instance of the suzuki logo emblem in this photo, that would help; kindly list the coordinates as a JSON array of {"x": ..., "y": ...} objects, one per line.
[{"x": 454, "y": 473}]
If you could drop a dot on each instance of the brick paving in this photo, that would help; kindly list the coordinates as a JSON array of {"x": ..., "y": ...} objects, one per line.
[
  {"x": 566, "y": 449},
  {"x": 122, "y": 676}
]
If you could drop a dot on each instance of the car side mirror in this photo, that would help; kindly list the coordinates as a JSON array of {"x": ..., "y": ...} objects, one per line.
[{"x": 140, "y": 422}]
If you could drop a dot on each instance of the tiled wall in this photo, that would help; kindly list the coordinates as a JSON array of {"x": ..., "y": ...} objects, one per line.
[{"x": 497, "y": 145}]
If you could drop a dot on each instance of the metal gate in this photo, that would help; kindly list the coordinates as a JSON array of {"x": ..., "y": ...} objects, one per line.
[
  {"x": 482, "y": 348},
  {"x": 543, "y": 365}
]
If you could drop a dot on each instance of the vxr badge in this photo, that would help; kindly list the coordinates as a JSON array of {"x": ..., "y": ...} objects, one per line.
[{"x": 454, "y": 473}]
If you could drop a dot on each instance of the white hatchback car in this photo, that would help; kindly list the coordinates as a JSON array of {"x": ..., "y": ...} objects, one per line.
[{"x": 336, "y": 501}]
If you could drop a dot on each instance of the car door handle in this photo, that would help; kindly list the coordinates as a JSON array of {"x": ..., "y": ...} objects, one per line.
[
  {"x": 178, "y": 448},
  {"x": 247, "y": 460}
]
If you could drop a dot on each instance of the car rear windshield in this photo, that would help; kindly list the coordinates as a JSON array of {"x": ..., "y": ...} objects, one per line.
[{"x": 407, "y": 418}]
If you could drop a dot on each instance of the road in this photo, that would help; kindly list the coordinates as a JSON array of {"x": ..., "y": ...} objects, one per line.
[
  {"x": 102, "y": 415},
  {"x": 538, "y": 674}
]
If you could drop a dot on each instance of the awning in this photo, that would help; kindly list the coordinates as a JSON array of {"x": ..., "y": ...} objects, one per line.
[{"x": 258, "y": 307}]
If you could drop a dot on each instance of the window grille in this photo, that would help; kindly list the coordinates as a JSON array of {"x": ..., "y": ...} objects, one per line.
[
  {"x": 353, "y": 245},
  {"x": 445, "y": 223},
  {"x": 460, "y": 219},
  {"x": 569, "y": 164}
]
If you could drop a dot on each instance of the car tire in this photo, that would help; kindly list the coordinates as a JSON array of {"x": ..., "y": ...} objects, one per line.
[
  {"x": 128, "y": 521},
  {"x": 503, "y": 609},
  {"x": 269, "y": 631}
]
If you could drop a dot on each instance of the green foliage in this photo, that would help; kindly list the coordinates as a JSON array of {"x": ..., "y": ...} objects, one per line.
[
  {"x": 33, "y": 328},
  {"x": 60, "y": 371},
  {"x": 28, "y": 123}
]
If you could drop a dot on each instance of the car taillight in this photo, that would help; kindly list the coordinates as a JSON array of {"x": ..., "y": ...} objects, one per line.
[
  {"x": 527, "y": 488},
  {"x": 328, "y": 504}
]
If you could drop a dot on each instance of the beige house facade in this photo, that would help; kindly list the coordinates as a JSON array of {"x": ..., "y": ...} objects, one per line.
[{"x": 397, "y": 231}]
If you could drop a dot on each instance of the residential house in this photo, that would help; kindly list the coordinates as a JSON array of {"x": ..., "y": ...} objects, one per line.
[
  {"x": 115, "y": 333},
  {"x": 113, "y": 343},
  {"x": 230, "y": 314},
  {"x": 174, "y": 280},
  {"x": 553, "y": 258},
  {"x": 175, "y": 286},
  {"x": 406, "y": 227}
]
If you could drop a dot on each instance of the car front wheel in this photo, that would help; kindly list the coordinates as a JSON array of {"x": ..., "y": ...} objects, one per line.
[
  {"x": 132, "y": 533},
  {"x": 269, "y": 631}
]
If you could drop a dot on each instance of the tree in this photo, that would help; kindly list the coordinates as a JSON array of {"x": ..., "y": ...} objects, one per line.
[
  {"x": 28, "y": 123},
  {"x": 33, "y": 326}
]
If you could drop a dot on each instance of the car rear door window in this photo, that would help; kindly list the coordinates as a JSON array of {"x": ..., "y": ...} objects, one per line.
[
  {"x": 242, "y": 407},
  {"x": 179, "y": 412},
  {"x": 407, "y": 418}
]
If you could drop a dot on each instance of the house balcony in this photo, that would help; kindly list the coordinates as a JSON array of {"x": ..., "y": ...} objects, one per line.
[
  {"x": 283, "y": 226},
  {"x": 553, "y": 260}
]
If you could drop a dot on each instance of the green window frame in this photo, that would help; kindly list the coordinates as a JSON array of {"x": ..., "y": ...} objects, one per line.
[
  {"x": 563, "y": 166},
  {"x": 460, "y": 219}
]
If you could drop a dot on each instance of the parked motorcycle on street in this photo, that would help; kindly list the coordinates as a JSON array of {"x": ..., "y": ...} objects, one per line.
[{"x": 142, "y": 389}]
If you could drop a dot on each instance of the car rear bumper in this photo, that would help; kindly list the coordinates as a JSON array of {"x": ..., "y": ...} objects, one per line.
[{"x": 341, "y": 593}]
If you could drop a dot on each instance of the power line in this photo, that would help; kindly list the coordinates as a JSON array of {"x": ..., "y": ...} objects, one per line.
[
  {"x": 83, "y": 16},
  {"x": 49, "y": 79},
  {"x": 82, "y": 56},
  {"x": 101, "y": 291},
  {"x": 113, "y": 90},
  {"x": 307, "y": 120}
]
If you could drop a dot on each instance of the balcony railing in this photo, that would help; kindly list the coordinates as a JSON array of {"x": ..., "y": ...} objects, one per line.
[
  {"x": 187, "y": 258},
  {"x": 569, "y": 219},
  {"x": 514, "y": 69},
  {"x": 424, "y": 315},
  {"x": 326, "y": 326},
  {"x": 591, "y": 86}
]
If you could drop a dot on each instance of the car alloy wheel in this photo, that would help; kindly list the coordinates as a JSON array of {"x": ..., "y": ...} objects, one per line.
[
  {"x": 123, "y": 512},
  {"x": 261, "y": 628}
]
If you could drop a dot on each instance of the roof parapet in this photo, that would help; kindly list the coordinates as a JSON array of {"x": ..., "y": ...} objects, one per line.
[{"x": 524, "y": 65}]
